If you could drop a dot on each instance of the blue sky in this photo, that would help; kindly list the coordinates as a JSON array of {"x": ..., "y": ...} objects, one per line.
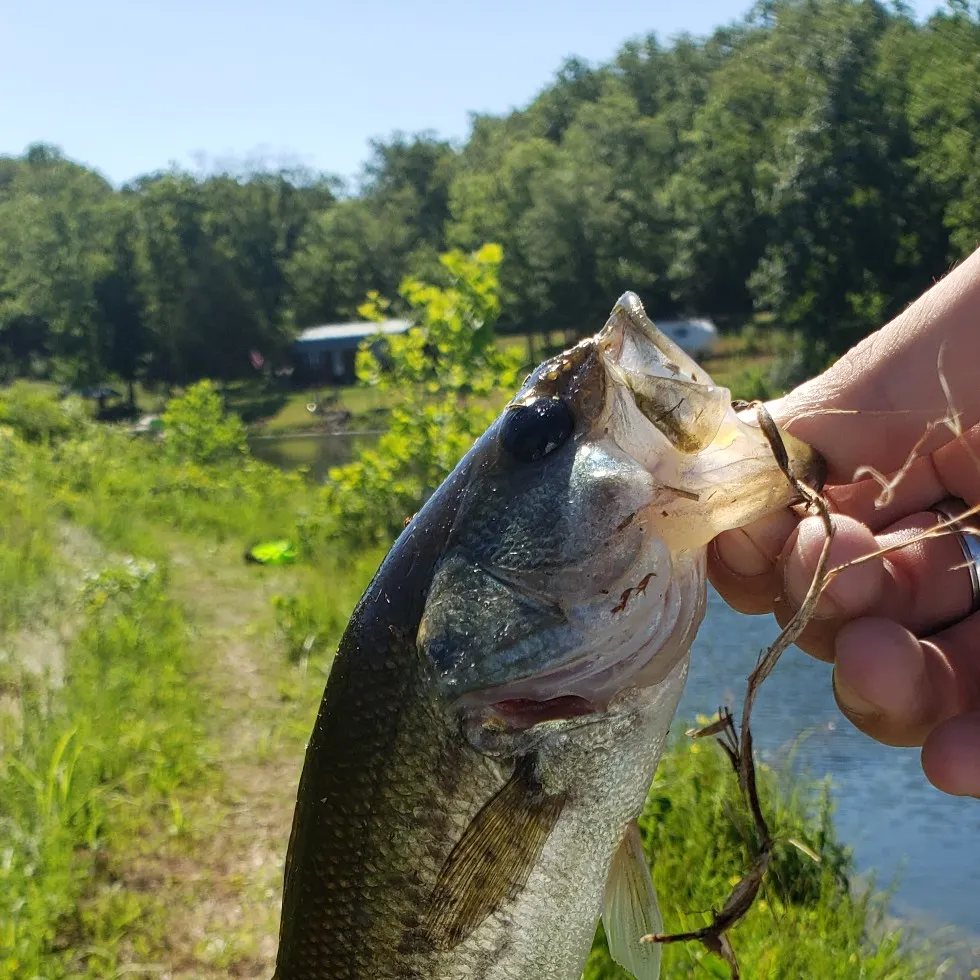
[{"x": 129, "y": 86}]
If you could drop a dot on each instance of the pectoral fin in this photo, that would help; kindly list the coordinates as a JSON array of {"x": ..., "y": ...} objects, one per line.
[
  {"x": 630, "y": 909},
  {"x": 493, "y": 859}
]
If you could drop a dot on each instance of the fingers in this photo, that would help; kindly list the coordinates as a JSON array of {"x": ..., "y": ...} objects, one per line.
[
  {"x": 771, "y": 571},
  {"x": 951, "y": 755},
  {"x": 893, "y": 686},
  {"x": 902, "y": 690},
  {"x": 854, "y": 592},
  {"x": 742, "y": 563},
  {"x": 922, "y": 586}
]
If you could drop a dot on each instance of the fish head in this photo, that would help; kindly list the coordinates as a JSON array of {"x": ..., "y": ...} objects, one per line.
[{"x": 574, "y": 569}]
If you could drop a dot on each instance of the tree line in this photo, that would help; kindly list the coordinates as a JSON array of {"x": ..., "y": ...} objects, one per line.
[{"x": 818, "y": 161}]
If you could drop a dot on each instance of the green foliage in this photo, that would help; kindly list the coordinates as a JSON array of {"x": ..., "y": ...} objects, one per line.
[
  {"x": 440, "y": 375},
  {"x": 818, "y": 160},
  {"x": 115, "y": 484},
  {"x": 395, "y": 227},
  {"x": 36, "y": 415},
  {"x": 58, "y": 222},
  {"x": 198, "y": 430},
  {"x": 777, "y": 164},
  {"x": 210, "y": 260},
  {"x": 26, "y": 534}
]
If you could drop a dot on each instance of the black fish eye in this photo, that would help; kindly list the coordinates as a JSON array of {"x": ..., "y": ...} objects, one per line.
[{"x": 532, "y": 431}]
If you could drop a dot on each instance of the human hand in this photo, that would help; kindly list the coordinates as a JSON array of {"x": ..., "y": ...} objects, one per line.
[{"x": 903, "y": 630}]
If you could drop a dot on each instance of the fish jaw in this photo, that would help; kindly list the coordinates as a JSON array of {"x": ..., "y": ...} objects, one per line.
[{"x": 713, "y": 470}]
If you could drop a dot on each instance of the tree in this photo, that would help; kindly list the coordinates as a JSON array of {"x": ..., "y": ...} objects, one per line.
[
  {"x": 58, "y": 220},
  {"x": 121, "y": 307},
  {"x": 842, "y": 184},
  {"x": 818, "y": 160},
  {"x": 944, "y": 117}
]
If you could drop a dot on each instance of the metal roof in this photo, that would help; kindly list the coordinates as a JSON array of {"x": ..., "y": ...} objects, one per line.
[{"x": 356, "y": 330}]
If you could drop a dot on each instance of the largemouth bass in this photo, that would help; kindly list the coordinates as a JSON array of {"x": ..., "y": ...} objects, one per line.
[{"x": 501, "y": 696}]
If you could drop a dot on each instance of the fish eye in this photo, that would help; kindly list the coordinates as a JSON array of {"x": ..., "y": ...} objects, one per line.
[{"x": 533, "y": 430}]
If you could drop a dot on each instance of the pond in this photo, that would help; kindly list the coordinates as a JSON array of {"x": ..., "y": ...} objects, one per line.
[
  {"x": 901, "y": 830},
  {"x": 318, "y": 452}
]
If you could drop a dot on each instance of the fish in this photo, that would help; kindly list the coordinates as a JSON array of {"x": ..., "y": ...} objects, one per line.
[{"x": 500, "y": 698}]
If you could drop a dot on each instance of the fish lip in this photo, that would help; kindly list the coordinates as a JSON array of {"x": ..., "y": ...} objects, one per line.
[
  {"x": 612, "y": 337},
  {"x": 628, "y": 314}
]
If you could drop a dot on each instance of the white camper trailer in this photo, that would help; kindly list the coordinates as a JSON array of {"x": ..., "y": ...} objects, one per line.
[{"x": 694, "y": 337}]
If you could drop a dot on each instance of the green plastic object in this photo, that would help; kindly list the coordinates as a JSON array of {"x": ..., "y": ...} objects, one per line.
[{"x": 272, "y": 553}]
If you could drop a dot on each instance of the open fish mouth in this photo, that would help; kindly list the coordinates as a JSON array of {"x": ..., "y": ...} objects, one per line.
[
  {"x": 521, "y": 713},
  {"x": 576, "y": 566}
]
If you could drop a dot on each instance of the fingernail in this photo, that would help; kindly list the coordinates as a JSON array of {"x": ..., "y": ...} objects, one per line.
[
  {"x": 741, "y": 555},
  {"x": 851, "y": 703}
]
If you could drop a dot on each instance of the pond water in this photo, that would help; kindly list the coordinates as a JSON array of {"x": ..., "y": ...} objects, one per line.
[
  {"x": 318, "y": 452},
  {"x": 901, "y": 829}
]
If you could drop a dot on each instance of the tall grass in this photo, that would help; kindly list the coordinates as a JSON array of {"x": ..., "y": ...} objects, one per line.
[
  {"x": 102, "y": 737},
  {"x": 26, "y": 533},
  {"x": 87, "y": 766}
]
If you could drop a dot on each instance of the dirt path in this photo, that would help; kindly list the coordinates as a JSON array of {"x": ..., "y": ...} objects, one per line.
[{"x": 220, "y": 896}]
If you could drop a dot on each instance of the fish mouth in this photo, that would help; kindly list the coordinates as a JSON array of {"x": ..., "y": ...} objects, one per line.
[
  {"x": 630, "y": 340},
  {"x": 519, "y": 714},
  {"x": 721, "y": 465}
]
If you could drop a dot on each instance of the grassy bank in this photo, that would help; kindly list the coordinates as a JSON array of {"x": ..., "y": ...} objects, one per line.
[{"x": 156, "y": 693}]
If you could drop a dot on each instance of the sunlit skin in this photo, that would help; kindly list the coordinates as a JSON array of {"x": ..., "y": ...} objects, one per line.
[{"x": 899, "y": 630}]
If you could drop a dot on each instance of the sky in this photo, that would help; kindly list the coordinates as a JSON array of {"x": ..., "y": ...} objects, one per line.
[{"x": 132, "y": 86}]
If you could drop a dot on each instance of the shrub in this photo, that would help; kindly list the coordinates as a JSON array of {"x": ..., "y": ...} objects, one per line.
[
  {"x": 34, "y": 413},
  {"x": 443, "y": 377},
  {"x": 199, "y": 430}
]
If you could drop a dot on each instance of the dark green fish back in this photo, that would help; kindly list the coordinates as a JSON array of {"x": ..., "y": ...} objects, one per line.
[{"x": 388, "y": 787}]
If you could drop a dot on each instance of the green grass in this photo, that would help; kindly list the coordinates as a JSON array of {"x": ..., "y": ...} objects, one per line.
[
  {"x": 87, "y": 767},
  {"x": 187, "y": 687},
  {"x": 279, "y": 410}
]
